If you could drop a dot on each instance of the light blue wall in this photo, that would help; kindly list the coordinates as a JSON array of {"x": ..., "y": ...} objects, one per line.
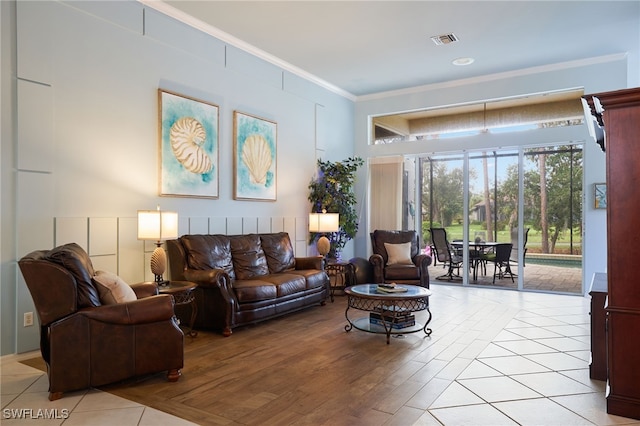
[
  {"x": 82, "y": 133},
  {"x": 7, "y": 181},
  {"x": 593, "y": 75},
  {"x": 79, "y": 134}
]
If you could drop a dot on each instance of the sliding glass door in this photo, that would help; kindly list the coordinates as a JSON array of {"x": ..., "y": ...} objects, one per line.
[
  {"x": 442, "y": 203},
  {"x": 553, "y": 216},
  {"x": 529, "y": 199}
]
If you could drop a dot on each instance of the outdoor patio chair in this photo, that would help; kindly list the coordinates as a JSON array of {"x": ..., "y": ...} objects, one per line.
[
  {"x": 446, "y": 254},
  {"x": 515, "y": 250},
  {"x": 501, "y": 260}
]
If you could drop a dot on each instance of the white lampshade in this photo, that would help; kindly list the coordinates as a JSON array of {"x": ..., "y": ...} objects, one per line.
[
  {"x": 157, "y": 225},
  {"x": 324, "y": 222}
]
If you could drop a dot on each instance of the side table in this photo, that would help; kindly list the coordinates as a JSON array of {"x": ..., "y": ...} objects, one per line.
[
  {"x": 182, "y": 293},
  {"x": 341, "y": 275}
]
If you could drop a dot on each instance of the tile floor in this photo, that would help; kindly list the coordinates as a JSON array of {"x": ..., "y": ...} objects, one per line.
[
  {"x": 536, "y": 277},
  {"x": 532, "y": 372}
]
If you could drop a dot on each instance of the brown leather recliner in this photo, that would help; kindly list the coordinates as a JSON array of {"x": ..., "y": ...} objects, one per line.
[
  {"x": 87, "y": 344},
  {"x": 405, "y": 264}
]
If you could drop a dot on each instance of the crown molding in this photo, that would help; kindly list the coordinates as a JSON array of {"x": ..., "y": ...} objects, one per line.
[
  {"x": 493, "y": 77},
  {"x": 193, "y": 22}
]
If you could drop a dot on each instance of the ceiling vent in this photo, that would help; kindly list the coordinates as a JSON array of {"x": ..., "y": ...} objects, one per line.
[{"x": 444, "y": 39}]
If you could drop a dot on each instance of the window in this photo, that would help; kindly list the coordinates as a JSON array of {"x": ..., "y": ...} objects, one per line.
[{"x": 498, "y": 116}]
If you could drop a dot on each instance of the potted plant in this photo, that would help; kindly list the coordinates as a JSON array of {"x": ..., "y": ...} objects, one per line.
[{"x": 332, "y": 191}]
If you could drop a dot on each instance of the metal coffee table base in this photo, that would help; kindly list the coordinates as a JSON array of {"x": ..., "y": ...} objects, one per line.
[{"x": 364, "y": 298}]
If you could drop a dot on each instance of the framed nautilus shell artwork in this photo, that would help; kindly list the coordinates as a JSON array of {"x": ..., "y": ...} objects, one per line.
[
  {"x": 254, "y": 158},
  {"x": 189, "y": 146}
]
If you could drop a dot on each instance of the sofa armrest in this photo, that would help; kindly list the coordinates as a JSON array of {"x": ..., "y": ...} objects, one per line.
[
  {"x": 220, "y": 280},
  {"x": 214, "y": 278},
  {"x": 208, "y": 277},
  {"x": 377, "y": 262},
  {"x": 311, "y": 262},
  {"x": 145, "y": 289},
  {"x": 422, "y": 261},
  {"x": 142, "y": 311}
]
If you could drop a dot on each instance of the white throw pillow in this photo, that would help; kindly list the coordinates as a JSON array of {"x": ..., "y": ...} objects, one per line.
[
  {"x": 112, "y": 289},
  {"x": 399, "y": 254}
]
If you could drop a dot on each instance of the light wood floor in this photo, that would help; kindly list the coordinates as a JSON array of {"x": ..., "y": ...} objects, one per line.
[
  {"x": 305, "y": 369},
  {"x": 496, "y": 357},
  {"x": 301, "y": 368}
]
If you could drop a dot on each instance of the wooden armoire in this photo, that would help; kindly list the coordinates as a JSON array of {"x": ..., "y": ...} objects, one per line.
[{"x": 621, "y": 122}]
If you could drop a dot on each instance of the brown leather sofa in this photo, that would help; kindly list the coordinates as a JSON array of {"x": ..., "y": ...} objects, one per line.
[
  {"x": 414, "y": 270},
  {"x": 243, "y": 279},
  {"x": 85, "y": 343}
]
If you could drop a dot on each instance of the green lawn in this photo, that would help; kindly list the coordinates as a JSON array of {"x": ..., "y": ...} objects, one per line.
[{"x": 454, "y": 232}]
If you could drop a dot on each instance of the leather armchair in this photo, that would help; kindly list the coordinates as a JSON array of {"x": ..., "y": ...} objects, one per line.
[
  {"x": 87, "y": 344},
  {"x": 414, "y": 271}
]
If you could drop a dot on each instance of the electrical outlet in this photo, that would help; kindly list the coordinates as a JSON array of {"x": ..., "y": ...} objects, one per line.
[{"x": 28, "y": 319}]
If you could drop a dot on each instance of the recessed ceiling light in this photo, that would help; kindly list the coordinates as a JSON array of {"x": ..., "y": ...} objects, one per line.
[{"x": 462, "y": 61}]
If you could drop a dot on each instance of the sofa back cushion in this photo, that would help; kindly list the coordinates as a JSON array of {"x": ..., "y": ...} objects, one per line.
[
  {"x": 78, "y": 263},
  {"x": 279, "y": 252},
  {"x": 208, "y": 252},
  {"x": 248, "y": 257}
]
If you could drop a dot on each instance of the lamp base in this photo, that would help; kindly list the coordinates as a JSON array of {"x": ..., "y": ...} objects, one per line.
[
  {"x": 323, "y": 245},
  {"x": 161, "y": 282},
  {"x": 159, "y": 264}
]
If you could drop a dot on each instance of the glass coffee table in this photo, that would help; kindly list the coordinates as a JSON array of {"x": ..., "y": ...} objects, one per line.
[{"x": 391, "y": 312}]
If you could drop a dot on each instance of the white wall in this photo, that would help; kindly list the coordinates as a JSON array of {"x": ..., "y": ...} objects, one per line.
[
  {"x": 593, "y": 75},
  {"x": 86, "y": 136}
]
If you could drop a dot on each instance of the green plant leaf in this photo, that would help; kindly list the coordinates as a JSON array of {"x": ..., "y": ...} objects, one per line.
[{"x": 332, "y": 190}]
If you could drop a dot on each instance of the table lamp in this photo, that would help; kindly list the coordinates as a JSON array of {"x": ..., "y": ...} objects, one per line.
[
  {"x": 158, "y": 226},
  {"x": 321, "y": 223}
]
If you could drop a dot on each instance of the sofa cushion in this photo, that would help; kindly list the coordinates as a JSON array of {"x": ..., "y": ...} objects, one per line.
[
  {"x": 401, "y": 272},
  {"x": 398, "y": 253},
  {"x": 78, "y": 263},
  {"x": 249, "y": 260},
  {"x": 208, "y": 252},
  {"x": 112, "y": 288},
  {"x": 286, "y": 284},
  {"x": 254, "y": 290},
  {"x": 314, "y": 278},
  {"x": 279, "y": 252}
]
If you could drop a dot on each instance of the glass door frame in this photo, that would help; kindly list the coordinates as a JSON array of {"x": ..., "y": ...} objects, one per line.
[{"x": 466, "y": 220}]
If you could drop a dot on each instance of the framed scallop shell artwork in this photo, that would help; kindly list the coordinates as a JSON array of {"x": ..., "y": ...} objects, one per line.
[
  {"x": 188, "y": 146},
  {"x": 254, "y": 158}
]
